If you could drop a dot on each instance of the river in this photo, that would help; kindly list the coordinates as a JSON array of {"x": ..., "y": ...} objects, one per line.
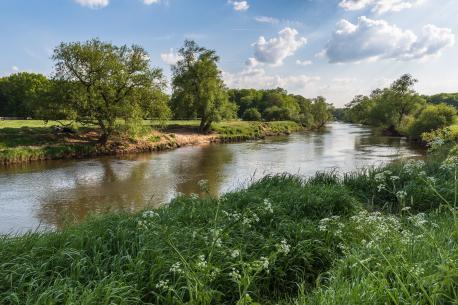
[{"x": 46, "y": 195}]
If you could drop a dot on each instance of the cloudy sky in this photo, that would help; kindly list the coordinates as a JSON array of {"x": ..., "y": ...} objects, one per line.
[{"x": 334, "y": 48}]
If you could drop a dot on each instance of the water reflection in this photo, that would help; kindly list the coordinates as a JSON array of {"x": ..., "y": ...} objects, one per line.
[{"x": 50, "y": 193}]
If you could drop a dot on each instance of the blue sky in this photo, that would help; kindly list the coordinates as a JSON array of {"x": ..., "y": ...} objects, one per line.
[{"x": 334, "y": 48}]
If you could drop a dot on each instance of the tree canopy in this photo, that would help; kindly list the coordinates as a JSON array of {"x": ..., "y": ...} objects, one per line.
[
  {"x": 105, "y": 82},
  {"x": 198, "y": 88}
]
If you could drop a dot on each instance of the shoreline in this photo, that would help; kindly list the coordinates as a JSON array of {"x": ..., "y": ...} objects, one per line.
[{"x": 154, "y": 141}]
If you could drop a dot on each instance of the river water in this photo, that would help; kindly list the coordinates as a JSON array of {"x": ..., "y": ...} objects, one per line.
[{"x": 45, "y": 195}]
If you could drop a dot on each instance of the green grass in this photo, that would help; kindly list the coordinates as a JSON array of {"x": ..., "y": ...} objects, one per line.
[
  {"x": 282, "y": 240},
  {"x": 31, "y": 140}
]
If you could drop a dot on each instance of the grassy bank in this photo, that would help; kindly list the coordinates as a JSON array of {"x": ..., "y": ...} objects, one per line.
[
  {"x": 25, "y": 141},
  {"x": 379, "y": 236}
]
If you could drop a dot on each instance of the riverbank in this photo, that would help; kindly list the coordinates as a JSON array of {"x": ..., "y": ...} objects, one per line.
[
  {"x": 377, "y": 236},
  {"x": 24, "y": 141}
]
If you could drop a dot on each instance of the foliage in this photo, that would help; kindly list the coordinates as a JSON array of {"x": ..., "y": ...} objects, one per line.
[
  {"x": 278, "y": 105},
  {"x": 198, "y": 89},
  {"x": 104, "y": 82},
  {"x": 388, "y": 108},
  {"x": 444, "y": 98},
  {"x": 431, "y": 118},
  {"x": 251, "y": 114},
  {"x": 22, "y": 93}
]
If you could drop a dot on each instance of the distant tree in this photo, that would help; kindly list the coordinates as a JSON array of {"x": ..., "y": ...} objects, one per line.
[
  {"x": 105, "y": 82},
  {"x": 21, "y": 94},
  {"x": 443, "y": 98},
  {"x": 321, "y": 111},
  {"x": 198, "y": 88},
  {"x": 252, "y": 114}
]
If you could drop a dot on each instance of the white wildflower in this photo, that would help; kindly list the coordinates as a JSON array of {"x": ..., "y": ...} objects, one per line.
[
  {"x": 235, "y": 253},
  {"x": 176, "y": 268},
  {"x": 268, "y": 206},
  {"x": 284, "y": 247},
  {"x": 235, "y": 275},
  {"x": 164, "y": 285}
]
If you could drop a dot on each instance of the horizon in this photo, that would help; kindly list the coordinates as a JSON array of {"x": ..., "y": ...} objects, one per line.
[{"x": 336, "y": 49}]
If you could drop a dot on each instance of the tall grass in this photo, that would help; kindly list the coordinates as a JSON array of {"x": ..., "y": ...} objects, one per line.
[{"x": 358, "y": 239}]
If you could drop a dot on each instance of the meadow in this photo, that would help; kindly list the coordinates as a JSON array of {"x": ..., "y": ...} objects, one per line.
[{"x": 378, "y": 236}]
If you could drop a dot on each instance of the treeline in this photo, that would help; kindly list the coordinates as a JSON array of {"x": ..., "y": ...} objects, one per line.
[
  {"x": 98, "y": 83},
  {"x": 399, "y": 109},
  {"x": 278, "y": 105}
]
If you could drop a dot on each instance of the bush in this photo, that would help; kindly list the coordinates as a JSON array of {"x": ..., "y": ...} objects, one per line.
[
  {"x": 251, "y": 114},
  {"x": 431, "y": 118}
]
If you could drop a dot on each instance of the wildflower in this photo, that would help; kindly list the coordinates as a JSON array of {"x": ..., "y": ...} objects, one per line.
[
  {"x": 235, "y": 253},
  {"x": 150, "y": 214},
  {"x": 394, "y": 178},
  {"x": 176, "y": 268},
  {"x": 202, "y": 263},
  {"x": 413, "y": 166},
  {"x": 268, "y": 206},
  {"x": 235, "y": 275},
  {"x": 431, "y": 180},
  {"x": 194, "y": 196},
  {"x": 401, "y": 195},
  {"x": 264, "y": 263},
  {"x": 380, "y": 177},
  {"x": 164, "y": 285},
  {"x": 450, "y": 164},
  {"x": 405, "y": 209},
  {"x": 283, "y": 247}
]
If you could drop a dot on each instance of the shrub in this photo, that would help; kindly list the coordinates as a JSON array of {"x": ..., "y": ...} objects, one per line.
[
  {"x": 431, "y": 118},
  {"x": 251, "y": 114}
]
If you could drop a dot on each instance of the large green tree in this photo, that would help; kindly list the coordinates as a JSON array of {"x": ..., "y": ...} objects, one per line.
[
  {"x": 104, "y": 82},
  {"x": 198, "y": 88},
  {"x": 22, "y": 93}
]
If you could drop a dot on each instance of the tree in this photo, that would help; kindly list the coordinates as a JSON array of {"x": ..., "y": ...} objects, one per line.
[
  {"x": 198, "y": 88},
  {"x": 105, "y": 82},
  {"x": 432, "y": 117},
  {"x": 21, "y": 94},
  {"x": 252, "y": 114},
  {"x": 321, "y": 111}
]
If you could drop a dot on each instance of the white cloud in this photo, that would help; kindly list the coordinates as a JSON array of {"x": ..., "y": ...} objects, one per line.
[
  {"x": 258, "y": 78},
  {"x": 93, "y": 3},
  {"x": 239, "y": 6},
  {"x": 149, "y": 2},
  {"x": 275, "y": 50},
  {"x": 170, "y": 57},
  {"x": 380, "y": 6},
  {"x": 371, "y": 40},
  {"x": 266, "y": 19},
  {"x": 303, "y": 62},
  {"x": 15, "y": 68}
]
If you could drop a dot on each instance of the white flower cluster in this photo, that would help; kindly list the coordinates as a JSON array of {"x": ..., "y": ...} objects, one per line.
[
  {"x": 235, "y": 275},
  {"x": 413, "y": 166},
  {"x": 163, "y": 285},
  {"x": 284, "y": 247},
  {"x": 201, "y": 262},
  {"x": 268, "y": 206},
  {"x": 176, "y": 268},
  {"x": 235, "y": 253},
  {"x": 333, "y": 222},
  {"x": 418, "y": 220},
  {"x": 248, "y": 220},
  {"x": 147, "y": 218},
  {"x": 450, "y": 164},
  {"x": 233, "y": 216}
]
